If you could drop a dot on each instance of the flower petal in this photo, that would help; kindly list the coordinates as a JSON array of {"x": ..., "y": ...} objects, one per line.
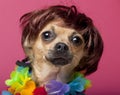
[
  {"x": 56, "y": 88},
  {"x": 40, "y": 91},
  {"x": 6, "y": 93}
]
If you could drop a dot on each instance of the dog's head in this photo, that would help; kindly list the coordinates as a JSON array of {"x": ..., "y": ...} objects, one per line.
[{"x": 60, "y": 36}]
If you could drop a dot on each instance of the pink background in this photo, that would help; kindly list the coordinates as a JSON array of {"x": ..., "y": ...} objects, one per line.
[{"x": 106, "y": 16}]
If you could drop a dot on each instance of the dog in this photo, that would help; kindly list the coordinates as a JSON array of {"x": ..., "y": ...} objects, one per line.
[{"x": 59, "y": 41}]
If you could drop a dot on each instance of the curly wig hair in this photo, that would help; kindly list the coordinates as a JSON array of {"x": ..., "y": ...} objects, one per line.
[{"x": 33, "y": 22}]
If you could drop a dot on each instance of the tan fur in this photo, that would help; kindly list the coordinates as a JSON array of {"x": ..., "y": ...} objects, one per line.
[{"x": 43, "y": 70}]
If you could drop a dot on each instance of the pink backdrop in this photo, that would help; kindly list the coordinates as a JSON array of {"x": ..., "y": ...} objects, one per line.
[{"x": 106, "y": 16}]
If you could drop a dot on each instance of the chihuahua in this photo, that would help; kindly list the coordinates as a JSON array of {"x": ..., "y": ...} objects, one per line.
[{"x": 59, "y": 41}]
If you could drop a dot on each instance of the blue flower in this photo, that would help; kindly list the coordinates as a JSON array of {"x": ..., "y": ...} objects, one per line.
[
  {"x": 76, "y": 85},
  {"x": 6, "y": 93}
]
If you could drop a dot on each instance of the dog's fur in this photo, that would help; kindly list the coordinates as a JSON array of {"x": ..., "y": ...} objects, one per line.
[{"x": 73, "y": 43}]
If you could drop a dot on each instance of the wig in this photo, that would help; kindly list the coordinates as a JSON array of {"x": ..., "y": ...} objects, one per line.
[{"x": 33, "y": 22}]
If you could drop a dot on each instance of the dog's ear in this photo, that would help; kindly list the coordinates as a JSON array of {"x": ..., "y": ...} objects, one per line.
[
  {"x": 28, "y": 48},
  {"x": 29, "y": 31},
  {"x": 32, "y": 23},
  {"x": 93, "y": 51}
]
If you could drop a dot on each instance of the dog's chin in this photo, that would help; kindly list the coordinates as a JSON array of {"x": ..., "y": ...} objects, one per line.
[{"x": 60, "y": 61}]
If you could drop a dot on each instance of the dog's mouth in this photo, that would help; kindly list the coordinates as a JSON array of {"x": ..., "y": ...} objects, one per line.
[{"x": 61, "y": 60}]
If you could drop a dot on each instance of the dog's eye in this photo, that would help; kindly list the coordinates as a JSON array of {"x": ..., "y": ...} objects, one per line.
[
  {"x": 48, "y": 35},
  {"x": 76, "y": 40}
]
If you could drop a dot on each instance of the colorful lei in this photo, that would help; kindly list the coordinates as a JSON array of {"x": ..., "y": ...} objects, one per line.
[{"x": 20, "y": 83}]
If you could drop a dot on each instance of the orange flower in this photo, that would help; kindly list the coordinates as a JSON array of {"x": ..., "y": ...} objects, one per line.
[{"x": 28, "y": 88}]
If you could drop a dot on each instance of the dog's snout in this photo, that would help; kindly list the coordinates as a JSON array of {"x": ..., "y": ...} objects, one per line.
[
  {"x": 60, "y": 55},
  {"x": 61, "y": 47}
]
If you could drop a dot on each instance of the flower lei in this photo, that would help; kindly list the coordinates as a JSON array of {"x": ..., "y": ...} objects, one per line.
[{"x": 20, "y": 83}]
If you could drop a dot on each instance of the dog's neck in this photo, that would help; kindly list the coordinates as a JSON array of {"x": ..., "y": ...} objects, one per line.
[{"x": 41, "y": 74}]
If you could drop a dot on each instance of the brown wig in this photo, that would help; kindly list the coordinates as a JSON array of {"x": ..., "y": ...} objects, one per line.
[{"x": 33, "y": 22}]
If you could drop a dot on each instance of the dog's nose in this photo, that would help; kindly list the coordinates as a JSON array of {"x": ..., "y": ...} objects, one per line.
[{"x": 61, "y": 47}]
